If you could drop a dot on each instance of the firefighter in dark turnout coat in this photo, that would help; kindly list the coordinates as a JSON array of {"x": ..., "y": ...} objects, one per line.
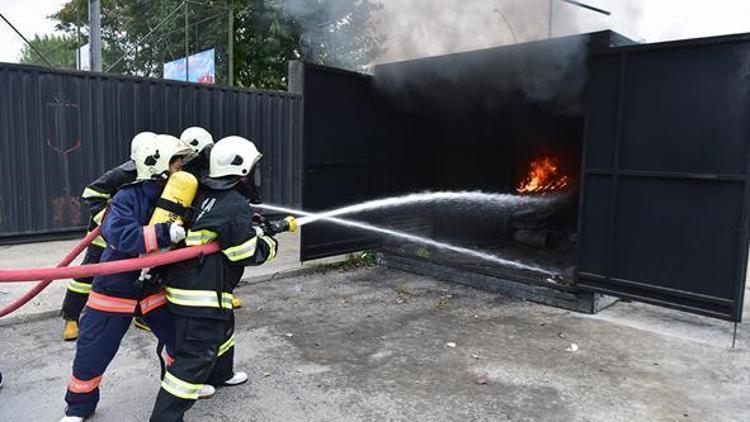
[
  {"x": 199, "y": 292},
  {"x": 96, "y": 197},
  {"x": 116, "y": 298}
]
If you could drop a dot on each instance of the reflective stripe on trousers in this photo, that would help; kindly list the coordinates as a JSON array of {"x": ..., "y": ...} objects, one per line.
[
  {"x": 80, "y": 386},
  {"x": 76, "y": 286},
  {"x": 226, "y": 345},
  {"x": 105, "y": 303},
  {"x": 180, "y": 388}
]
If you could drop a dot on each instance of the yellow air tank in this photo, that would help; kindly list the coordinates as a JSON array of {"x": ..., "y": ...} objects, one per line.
[{"x": 180, "y": 189}]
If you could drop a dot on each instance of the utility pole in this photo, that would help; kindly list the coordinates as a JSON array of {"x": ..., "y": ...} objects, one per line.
[
  {"x": 95, "y": 35},
  {"x": 187, "y": 62},
  {"x": 551, "y": 14},
  {"x": 230, "y": 46}
]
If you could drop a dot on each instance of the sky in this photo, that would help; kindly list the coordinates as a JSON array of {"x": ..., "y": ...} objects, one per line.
[
  {"x": 642, "y": 20},
  {"x": 29, "y": 17}
]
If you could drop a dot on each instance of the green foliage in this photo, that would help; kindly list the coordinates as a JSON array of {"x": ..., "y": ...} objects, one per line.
[
  {"x": 59, "y": 50},
  {"x": 267, "y": 34}
]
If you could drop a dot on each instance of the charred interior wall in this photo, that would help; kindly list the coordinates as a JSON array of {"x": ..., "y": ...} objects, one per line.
[{"x": 474, "y": 121}]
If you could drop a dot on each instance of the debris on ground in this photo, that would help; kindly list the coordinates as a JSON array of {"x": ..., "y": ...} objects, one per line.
[
  {"x": 444, "y": 302},
  {"x": 475, "y": 356},
  {"x": 572, "y": 348},
  {"x": 482, "y": 379},
  {"x": 450, "y": 344}
]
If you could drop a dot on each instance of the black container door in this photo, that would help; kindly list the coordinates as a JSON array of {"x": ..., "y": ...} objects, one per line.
[
  {"x": 664, "y": 209},
  {"x": 342, "y": 159}
]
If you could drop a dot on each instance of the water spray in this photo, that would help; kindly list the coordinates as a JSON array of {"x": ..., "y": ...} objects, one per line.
[
  {"x": 500, "y": 200},
  {"x": 308, "y": 217}
]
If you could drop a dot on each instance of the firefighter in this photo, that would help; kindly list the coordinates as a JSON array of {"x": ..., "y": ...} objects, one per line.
[
  {"x": 96, "y": 196},
  {"x": 199, "y": 292},
  {"x": 115, "y": 299},
  {"x": 202, "y": 142}
]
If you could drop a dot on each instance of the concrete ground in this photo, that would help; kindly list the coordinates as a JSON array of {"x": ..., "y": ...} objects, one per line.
[{"x": 372, "y": 344}]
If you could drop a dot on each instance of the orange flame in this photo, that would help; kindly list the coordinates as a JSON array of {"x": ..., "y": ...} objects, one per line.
[{"x": 543, "y": 177}]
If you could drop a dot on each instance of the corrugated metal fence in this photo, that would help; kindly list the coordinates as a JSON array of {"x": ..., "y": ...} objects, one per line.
[{"x": 60, "y": 130}]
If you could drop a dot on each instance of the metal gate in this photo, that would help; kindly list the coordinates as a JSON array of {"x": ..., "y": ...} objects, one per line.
[
  {"x": 342, "y": 163},
  {"x": 664, "y": 211}
]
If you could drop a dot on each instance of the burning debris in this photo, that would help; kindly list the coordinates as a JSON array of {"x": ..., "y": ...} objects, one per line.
[{"x": 544, "y": 176}]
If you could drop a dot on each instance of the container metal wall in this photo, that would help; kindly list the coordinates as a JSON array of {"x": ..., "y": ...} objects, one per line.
[
  {"x": 60, "y": 130},
  {"x": 666, "y": 194}
]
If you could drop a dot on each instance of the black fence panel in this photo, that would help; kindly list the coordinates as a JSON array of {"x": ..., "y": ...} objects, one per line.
[
  {"x": 664, "y": 216},
  {"x": 59, "y": 130}
]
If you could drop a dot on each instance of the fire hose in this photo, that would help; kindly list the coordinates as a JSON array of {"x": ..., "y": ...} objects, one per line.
[
  {"x": 93, "y": 270},
  {"x": 80, "y": 247}
]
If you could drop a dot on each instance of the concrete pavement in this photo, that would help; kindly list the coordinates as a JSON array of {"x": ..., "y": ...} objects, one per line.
[{"x": 374, "y": 344}]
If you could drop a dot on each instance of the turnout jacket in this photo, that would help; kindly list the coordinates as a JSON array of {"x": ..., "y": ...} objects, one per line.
[
  {"x": 129, "y": 235},
  {"x": 202, "y": 287},
  {"x": 98, "y": 193}
]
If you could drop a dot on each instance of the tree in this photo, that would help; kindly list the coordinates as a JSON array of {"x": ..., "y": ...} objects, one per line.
[
  {"x": 58, "y": 49},
  {"x": 144, "y": 34}
]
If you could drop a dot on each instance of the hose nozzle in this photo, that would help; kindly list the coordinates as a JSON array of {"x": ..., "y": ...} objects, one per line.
[{"x": 292, "y": 223}]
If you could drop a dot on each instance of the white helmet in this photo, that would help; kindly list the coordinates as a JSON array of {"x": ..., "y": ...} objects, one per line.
[
  {"x": 197, "y": 137},
  {"x": 233, "y": 156},
  {"x": 139, "y": 140},
  {"x": 152, "y": 159}
]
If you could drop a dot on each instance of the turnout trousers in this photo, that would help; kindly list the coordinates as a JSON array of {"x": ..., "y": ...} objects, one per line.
[
  {"x": 79, "y": 288},
  {"x": 203, "y": 354},
  {"x": 102, "y": 327}
]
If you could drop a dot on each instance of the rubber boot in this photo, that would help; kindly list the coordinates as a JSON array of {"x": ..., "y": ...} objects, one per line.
[
  {"x": 70, "y": 332},
  {"x": 206, "y": 392},
  {"x": 236, "y": 302},
  {"x": 237, "y": 379},
  {"x": 141, "y": 324}
]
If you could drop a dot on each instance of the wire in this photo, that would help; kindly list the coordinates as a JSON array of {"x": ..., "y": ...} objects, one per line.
[
  {"x": 169, "y": 16},
  {"x": 26, "y": 41}
]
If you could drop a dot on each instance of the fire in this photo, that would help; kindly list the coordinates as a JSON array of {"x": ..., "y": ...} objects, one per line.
[{"x": 544, "y": 176}]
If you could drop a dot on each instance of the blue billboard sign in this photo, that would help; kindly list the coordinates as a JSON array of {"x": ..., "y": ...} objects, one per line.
[{"x": 201, "y": 68}]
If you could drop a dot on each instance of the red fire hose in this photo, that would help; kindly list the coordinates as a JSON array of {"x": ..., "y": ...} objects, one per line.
[
  {"x": 80, "y": 247},
  {"x": 106, "y": 268},
  {"x": 93, "y": 270}
]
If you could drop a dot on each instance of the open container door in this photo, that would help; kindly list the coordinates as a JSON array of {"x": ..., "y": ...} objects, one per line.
[
  {"x": 342, "y": 160},
  {"x": 664, "y": 210}
]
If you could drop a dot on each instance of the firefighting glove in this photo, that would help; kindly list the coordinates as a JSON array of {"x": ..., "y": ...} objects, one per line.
[
  {"x": 272, "y": 228},
  {"x": 176, "y": 233}
]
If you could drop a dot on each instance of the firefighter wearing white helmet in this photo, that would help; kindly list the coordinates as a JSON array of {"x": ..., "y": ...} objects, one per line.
[
  {"x": 96, "y": 197},
  {"x": 115, "y": 299},
  {"x": 201, "y": 141},
  {"x": 165, "y": 154},
  {"x": 139, "y": 140},
  {"x": 200, "y": 292}
]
